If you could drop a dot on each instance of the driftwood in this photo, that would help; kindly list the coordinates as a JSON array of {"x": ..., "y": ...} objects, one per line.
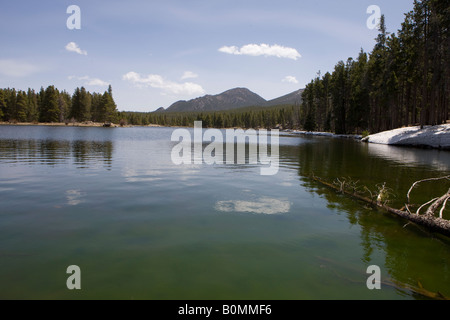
[{"x": 428, "y": 220}]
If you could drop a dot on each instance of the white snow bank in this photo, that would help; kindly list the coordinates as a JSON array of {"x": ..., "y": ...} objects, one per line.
[{"x": 429, "y": 136}]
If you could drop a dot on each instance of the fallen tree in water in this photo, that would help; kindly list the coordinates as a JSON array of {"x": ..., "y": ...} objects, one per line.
[{"x": 431, "y": 219}]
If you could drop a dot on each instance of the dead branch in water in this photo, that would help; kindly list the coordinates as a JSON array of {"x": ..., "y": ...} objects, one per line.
[
  {"x": 380, "y": 198},
  {"x": 442, "y": 201},
  {"x": 415, "y": 184}
]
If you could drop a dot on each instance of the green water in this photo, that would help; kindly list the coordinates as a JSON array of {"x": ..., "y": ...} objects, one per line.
[{"x": 139, "y": 227}]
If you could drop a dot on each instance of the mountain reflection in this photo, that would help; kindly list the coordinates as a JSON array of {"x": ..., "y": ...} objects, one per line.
[{"x": 81, "y": 153}]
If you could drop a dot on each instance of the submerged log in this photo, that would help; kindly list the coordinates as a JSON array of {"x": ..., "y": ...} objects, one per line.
[
  {"x": 419, "y": 289},
  {"x": 428, "y": 220}
]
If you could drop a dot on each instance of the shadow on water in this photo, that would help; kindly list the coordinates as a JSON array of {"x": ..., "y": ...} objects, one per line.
[{"x": 413, "y": 257}]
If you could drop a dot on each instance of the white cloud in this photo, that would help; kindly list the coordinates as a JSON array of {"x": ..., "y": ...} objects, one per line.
[
  {"x": 74, "y": 197},
  {"x": 263, "y": 50},
  {"x": 189, "y": 75},
  {"x": 15, "y": 68},
  {"x": 88, "y": 81},
  {"x": 290, "y": 79},
  {"x": 73, "y": 47},
  {"x": 157, "y": 81},
  {"x": 263, "y": 205},
  {"x": 229, "y": 50}
]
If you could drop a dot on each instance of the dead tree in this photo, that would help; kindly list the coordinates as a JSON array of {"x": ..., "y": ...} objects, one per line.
[{"x": 379, "y": 198}]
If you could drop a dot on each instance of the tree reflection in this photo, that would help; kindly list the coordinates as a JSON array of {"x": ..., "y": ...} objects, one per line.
[
  {"x": 411, "y": 255},
  {"x": 82, "y": 153}
]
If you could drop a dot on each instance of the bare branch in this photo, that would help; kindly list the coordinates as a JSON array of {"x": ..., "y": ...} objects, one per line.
[
  {"x": 424, "y": 180},
  {"x": 425, "y": 204},
  {"x": 441, "y": 213},
  {"x": 437, "y": 203},
  {"x": 407, "y": 209},
  {"x": 371, "y": 195}
]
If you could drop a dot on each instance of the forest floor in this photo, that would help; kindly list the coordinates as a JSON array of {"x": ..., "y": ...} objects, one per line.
[{"x": 429, "y": 136}]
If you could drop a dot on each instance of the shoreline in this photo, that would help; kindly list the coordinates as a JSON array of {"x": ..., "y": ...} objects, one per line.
[
  {"x": 75, "y": 124},
  {"x": 428, "y": 137},
  {"x": 323, "y": 134}
]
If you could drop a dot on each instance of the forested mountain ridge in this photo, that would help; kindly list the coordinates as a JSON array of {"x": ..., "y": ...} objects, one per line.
[
  {"x": 232, "y": 99},
  {"x": 293, "y": 98}
]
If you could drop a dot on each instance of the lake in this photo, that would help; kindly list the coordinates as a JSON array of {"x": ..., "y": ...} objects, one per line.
[{"x": 111, "y": 201}]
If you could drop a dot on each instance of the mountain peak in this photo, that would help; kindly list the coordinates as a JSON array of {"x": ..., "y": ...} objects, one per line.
[
  {"x": 228, "y": 100},
  {"x": 232, "y": 99}
]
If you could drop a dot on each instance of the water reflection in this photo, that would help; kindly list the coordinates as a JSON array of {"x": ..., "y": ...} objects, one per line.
[
  {"x": 74, "y": 197},
  {"x": 412, "y": 256},
  {"x": 398, "y": 167},
  {"x": 83, "y": 154},
  {"x": 436, "y": 159},
  {"x": 264, "y": 205}
]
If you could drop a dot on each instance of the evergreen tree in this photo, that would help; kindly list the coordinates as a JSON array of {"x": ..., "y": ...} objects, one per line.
[
  {"x": 96, "y": 110},
  {"x": 50, "y": 109},
  {"x": 108, "y": 108},
  {"x": 11, "y": 111},
  {"x": 2, "y": 105},
  {"x": 357, "y": 116},
  {"x": 33, "y": 107},
  {"x": 339, "y": 97},
  {"x": 21, "y": 107},
  {"x": 81, "y": 105}
]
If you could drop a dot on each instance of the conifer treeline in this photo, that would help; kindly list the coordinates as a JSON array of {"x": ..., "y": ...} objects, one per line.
[
  {"x": 286, "y": 116},
  {"x": 52, "y": 105},
  {"x": 405, "y": 80}
]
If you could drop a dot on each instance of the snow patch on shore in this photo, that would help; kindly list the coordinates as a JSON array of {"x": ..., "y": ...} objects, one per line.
[
  {"x": 429, "y": 136},
  {"x": 324, "y": 134}
]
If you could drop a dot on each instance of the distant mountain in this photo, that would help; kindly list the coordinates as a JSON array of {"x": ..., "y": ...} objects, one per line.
[
  {"x": 228, "y": 100},
  {"x": 231, "y": 99},
  {"x": 291, "y": 98}
]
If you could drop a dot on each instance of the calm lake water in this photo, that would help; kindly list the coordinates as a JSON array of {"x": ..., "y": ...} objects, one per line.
[{"x": 111, "y": 201}]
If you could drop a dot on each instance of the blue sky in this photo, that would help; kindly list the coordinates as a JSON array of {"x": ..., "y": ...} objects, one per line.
[{"x": 154, "y": 53}]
